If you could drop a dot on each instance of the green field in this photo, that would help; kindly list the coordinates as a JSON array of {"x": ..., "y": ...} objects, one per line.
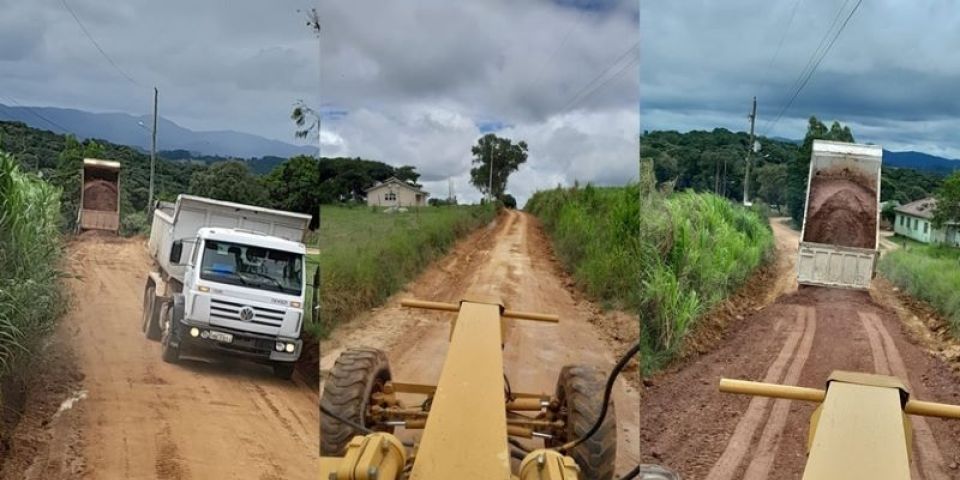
[
  {"x": 668, "y": 257},
  {"x": 930, "y": 273},
  {"x": 366, "y": 255}
]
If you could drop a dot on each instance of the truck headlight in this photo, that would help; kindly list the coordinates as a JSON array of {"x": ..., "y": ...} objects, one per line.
[
  {"x": 280, "y": 346},
  {"x": 194, "y": 332},
  {"x": 291, "y": 347}
]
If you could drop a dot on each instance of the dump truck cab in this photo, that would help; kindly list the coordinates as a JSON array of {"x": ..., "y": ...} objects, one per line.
[{"x": 243, "y": 292}]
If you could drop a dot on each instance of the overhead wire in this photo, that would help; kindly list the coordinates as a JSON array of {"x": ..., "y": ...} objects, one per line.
[
  {"x": 804, "y": 79},
  {"x": 97, "y": 45},
  {"x": 35, "y": 113}
]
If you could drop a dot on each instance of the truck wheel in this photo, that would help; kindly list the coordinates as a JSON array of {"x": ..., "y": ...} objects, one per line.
[
  {"x": 170, "y": 348},
  {"x": 151, "y": 314},
  {"x": 283, "y": 370},
  {"x": 357, "y": 375},
  {"x": 580, "y": 399}
]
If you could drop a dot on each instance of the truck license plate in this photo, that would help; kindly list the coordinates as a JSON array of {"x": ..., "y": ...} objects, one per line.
[{"x": 221, "y": 336}]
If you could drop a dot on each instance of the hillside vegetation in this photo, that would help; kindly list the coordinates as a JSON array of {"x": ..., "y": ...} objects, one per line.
[
  {"x": 367, "y": 255},
  {"x": 929, "y": 273},
  {"x": 31, "y": 298},
  {"x": 668, "y": 257}
]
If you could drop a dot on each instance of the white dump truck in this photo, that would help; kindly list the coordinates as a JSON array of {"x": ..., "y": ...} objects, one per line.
[
  {"x": 99, "y": 196},
  {"x": 227, "y": 277},
  {"x": 838, "y": 242}
]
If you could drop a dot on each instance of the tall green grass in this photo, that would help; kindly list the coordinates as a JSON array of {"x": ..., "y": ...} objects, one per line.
[
  {"x": 668, "y": 257},
  {"x": 30, "y": 291},
  {"x": 930, "y": 273},
  {"x": 366, "y": 255}
]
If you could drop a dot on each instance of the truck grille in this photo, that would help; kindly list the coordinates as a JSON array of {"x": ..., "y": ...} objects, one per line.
[{"x": 232, "y": 311}]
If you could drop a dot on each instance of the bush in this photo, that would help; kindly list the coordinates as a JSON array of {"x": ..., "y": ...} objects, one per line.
[
  {"x": 31, "y": 298},
  {"x": 929, "y": 273},
  {"x": 685, "y": 251},
  {"x": 134, "y": 223}
]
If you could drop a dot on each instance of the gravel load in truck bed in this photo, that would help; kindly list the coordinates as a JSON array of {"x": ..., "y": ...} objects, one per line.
[{"x": 842, "y": 210}]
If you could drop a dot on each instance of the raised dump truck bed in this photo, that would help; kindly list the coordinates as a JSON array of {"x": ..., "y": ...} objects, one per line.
[
  {"x": 838, "y": 242},
  {"x": 99, "y": 196}
]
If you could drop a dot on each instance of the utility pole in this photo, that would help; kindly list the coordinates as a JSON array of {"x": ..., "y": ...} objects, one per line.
[
  {"x": 153, "y": 155},
  {"x": 746, "y": 175}
]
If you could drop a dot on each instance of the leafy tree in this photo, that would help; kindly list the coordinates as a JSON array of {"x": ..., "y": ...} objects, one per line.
[
  {"x": 948, "y": 201},
  {"x": 509, "y": 201},
  {"x": 506, "y": 157},
  {"x": 67, "y": 175},
  {"x": 772, "y": 179},
  {"x": 294, "y": 186},
  {"x": 407, "y": 173},
  {"x": 229, "y": 181}
]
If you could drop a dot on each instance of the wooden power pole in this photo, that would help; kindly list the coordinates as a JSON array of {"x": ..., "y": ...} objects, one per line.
[
  {"x": 746, "y": 175},
  {"x": 153, "y": 155}
]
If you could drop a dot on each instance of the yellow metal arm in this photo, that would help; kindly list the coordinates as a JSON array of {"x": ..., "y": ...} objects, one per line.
[{"x": 453, "y": 307}]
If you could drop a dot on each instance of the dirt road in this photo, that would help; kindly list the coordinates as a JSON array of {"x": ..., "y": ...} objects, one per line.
[
  {"x": 510, "y": 259},
  {"x": 798, "y": 339},
  {"x": 136, "y": 417}
]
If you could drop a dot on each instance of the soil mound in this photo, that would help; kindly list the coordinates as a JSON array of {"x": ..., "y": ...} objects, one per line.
[
  {"x": 842, "y": 210},
  {"x": 100, "y": 195}
]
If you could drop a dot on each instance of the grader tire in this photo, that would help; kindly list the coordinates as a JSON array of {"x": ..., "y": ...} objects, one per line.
[
  {"x": 355, "y": 377},
  {"x": 580, "y": 394}
]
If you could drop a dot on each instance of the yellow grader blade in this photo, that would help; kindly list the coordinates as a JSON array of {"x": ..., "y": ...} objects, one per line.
[{"x": 861, "y": 428}]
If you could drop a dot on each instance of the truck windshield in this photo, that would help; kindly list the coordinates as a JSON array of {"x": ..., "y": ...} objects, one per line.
[{"x": 251, "y": 266}]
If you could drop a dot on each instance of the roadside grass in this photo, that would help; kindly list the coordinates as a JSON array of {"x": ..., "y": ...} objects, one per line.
[
  {"x": 668, "y": 257},
  {"x": 930, "y": 273},
  {"x": 31, "y": 295},
  {"x": 366, "y": 255}
]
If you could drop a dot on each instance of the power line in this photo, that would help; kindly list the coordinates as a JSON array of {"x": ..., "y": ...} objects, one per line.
[
  {"x": 99, "y": 48},
  {"x": 36, "y": 114},
  {"x": 793, "y": 13},
  {"x": 813, "y": 70},
  {"x": 592, "y": 86}
]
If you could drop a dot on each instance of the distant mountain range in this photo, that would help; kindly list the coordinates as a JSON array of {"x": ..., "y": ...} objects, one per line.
[
  {"x": 124, "y": 129},
  {"x": 920, "y": 161}
]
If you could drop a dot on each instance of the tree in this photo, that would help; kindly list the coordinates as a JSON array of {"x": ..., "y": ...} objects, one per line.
[
  {"x": 506, "y": 157},
  {"x": 67, "y": 175},
  {"x": 294, "y": 185},
  {"x": 407, "y": 173},
  {"x": 772, "y": 178},
  {"x": 948, "y": 201},
  {"x": 229, "y": 181}
]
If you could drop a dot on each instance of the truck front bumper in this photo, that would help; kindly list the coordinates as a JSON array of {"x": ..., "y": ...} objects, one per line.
[{"x": 243, "y": 344}]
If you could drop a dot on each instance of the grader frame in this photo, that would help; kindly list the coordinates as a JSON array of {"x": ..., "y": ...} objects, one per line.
[
  {"x": 861, "y": 428},
  {"x": 466, "y": 429}
]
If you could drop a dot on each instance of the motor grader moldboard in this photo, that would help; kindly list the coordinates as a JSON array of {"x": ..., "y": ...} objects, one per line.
[{"x": 471, "y": 419}]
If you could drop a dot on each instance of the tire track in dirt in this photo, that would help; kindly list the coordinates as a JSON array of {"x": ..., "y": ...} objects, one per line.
[
  {"x": 511, "y": 260},
  {"x": 890, "y": 362}
]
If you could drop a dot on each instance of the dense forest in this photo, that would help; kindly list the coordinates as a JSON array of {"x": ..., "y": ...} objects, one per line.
[
  {"x": 298, "y": 184},
  {"x": 713, "y": 161}
]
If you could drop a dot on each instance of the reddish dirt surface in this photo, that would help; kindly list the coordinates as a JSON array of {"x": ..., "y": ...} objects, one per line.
[
  {"x": 511, "y": 259},
  {"x": 137, "y": 417},
  {"x": 100, "y": 195},
  {"x": 842, "y": 210},
  {"x": 799, "y": 339}
]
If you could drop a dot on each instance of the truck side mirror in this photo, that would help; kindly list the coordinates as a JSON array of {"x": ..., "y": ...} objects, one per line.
[{"x": 176, "y": 251}]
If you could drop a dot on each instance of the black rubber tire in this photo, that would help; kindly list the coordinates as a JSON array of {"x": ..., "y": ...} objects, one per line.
[
  {"x": 580, "y": 394},
  {"x": 170, "y": 350},
  {"x": 357, "y": 375},
  {"x": 284, "y": 370},
  {"x": 151, "y": 315}
]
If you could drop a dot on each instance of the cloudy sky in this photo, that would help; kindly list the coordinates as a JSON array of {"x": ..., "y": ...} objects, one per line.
[
  {"x": 892, "y": 74},
  {"x": 407, "y": 82}
]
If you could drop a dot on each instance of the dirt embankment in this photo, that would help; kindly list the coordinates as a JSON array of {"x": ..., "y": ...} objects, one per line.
[
  {"x": 842, "y": 210},
  {"x": 134, "y": 416},
  {"x": 799, "y": 339},
  {"x": 511, "y": 259}
]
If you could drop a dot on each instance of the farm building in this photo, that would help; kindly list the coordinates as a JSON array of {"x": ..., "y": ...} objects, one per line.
[
  {"x": 915, "y": 220},
  {"x": 394, "y": 192}
]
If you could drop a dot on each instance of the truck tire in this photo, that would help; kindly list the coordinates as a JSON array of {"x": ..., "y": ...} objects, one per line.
[
  {"x": 283, "y": 370},
  {"x": 151, "y": 314},
  {"x": 170, "y": 314},
  {"x": 357, "y": 375},
  {"x": 580, "y": 397}
]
